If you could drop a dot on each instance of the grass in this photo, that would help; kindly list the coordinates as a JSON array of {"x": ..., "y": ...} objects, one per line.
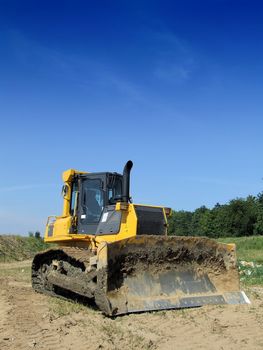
[
  {"x": 249, "y": 249},
  {"x": 20, "y": 274},
  {"x": 60, "y": 307},
  {"x": 251, "y": 276},
  {"x": 18, "y": 248}
]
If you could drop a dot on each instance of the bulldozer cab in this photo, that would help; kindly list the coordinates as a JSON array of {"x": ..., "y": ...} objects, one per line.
[
  {"x": 100, "y": 204},
  {"x": 91, "y": 194}
]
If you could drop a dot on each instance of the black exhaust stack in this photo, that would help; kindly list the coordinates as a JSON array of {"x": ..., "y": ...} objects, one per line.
[{"x": 126, "y": 182}]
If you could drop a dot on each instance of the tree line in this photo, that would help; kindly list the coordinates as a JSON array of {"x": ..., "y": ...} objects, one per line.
[{"x": 239, "y": 217}]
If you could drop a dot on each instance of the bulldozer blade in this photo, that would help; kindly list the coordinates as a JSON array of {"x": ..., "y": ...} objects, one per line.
[{"x": 153, "y": 273}]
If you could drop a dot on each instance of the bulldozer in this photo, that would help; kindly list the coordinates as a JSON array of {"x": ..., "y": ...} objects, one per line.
[{"x": 118, "y": 254}]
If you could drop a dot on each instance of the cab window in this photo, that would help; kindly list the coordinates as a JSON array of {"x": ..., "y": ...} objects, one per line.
[
  {"x": 73, "y": 196},
  {"x": 93, "y": 200},
  {"x": 115, "y": 191}
]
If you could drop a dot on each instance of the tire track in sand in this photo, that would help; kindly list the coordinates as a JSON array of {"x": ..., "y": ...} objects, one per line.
[
  {"x": 28, "y": 322},
  {"x": 4, "y": 310},
  {"x": 25, "y": 325}
]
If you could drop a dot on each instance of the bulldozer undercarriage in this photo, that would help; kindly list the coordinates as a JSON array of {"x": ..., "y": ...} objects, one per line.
[
  {"x": 64, "y": 272},
  {"x": 131, "y": 276}
]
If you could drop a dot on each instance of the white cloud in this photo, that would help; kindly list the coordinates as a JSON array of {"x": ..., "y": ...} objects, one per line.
[
  {"x": 174, "y": 61},
  {"x": 82, "y": 70}
]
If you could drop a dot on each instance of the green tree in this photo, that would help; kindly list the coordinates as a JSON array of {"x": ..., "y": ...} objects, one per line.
[
  {"x": 37, "y": 235},
  {"x": 180, "y": 223},
  {"x": 198, "y": 221},
  {"x": 240, "y": 217},
  {"x": 207, "y": 224},
  {"x": 258, "y": 227}
]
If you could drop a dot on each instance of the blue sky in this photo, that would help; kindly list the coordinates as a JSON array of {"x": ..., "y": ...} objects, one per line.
[{"x": 176, "y": 86}]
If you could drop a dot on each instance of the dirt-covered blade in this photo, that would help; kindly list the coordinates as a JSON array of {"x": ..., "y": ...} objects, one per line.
[{"x": 153, "y": 273}]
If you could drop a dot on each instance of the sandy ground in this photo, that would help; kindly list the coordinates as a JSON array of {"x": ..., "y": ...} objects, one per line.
[{"x": 33, "y": 321}]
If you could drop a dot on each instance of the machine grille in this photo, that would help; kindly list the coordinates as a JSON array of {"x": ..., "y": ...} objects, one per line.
[{"x": 151, "y": 220}]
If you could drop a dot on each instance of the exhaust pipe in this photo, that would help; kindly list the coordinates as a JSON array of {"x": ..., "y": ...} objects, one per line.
[{"x": 126, "y": 182}]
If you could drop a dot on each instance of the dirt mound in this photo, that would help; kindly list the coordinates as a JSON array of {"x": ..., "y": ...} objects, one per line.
[{"x": 19, "y": 248}]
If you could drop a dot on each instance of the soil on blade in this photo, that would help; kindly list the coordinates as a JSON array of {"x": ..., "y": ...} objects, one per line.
[{"x": 29, "y": 320}]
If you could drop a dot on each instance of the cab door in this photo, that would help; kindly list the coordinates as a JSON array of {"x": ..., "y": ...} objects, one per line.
[{"x": 92, "y": 203}]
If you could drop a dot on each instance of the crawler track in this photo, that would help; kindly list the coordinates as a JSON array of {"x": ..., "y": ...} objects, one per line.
[{"x": 64, "y": 272}]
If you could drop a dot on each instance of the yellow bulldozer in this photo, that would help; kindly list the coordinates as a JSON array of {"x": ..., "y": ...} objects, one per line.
[{"x": 119, "y": 254}]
